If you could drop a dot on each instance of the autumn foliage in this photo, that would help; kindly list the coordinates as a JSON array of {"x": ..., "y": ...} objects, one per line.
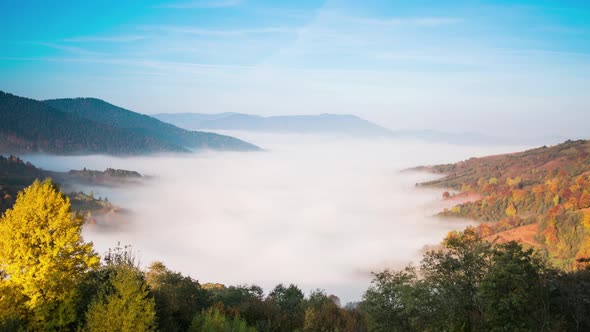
[{"x": 549, "y": 186}]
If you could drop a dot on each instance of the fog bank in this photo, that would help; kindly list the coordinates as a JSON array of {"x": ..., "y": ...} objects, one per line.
[{"x": 320, "y": 212}]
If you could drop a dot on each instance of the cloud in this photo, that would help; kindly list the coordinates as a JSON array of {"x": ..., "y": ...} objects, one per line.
[
  {"x": 71, "y": 49},
  {"x": 219, "y": 32},
  {"x": 106, "y": 39},
  {"x": 408, "y": 21},
  {"x": 202, "y": 4}
]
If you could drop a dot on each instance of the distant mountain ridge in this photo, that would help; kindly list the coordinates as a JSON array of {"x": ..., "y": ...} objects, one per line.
[
  {"x": 308, "y": 124},
  {"x": 105, "y": 113},
  {"x": 330, "y": 124}
]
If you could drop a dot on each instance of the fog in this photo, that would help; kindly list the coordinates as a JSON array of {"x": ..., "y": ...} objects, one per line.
[{"x": 320, "y": 212}]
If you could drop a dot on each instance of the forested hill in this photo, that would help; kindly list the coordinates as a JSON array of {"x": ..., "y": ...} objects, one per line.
[
  {"x": 100, "y": 111},
  {"x": 27, "y": 125},
  {"x": 16, "y": 174},
  {"x": 543, "y": 192}
]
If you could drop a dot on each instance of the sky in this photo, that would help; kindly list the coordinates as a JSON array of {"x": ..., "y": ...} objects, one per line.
[{"x": 514, "y": 68}]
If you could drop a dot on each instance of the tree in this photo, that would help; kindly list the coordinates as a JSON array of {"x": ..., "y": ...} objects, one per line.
[
  {"x": 393, "y": 301},
  {"x": 511, "y": 209},
  {"x": 177, "y": 297},
  {"x": 214, "y": 320},
  {"x": 123, "y": 303},
  {"x": 43, "y": 255},
  {"x": 584, "y": 201},
  {"x": 289, "y": 303},
  {"x": 324, "y": 314},
  {"x": 452, "y": 276},
  {"x": 516, "y": 290},
  {"x": 245, "y": 300},
  {"x": 573, "y": 299}
]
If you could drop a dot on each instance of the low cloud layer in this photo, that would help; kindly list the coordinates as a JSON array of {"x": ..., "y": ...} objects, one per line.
[{"x": 316, "y": 211}]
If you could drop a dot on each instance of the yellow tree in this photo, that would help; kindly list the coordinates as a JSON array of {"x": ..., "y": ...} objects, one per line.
[{"x": 43, "y": 255}]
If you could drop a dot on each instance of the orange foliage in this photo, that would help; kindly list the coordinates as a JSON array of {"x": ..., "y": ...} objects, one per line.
[
  {"x": 511, "y": 210},
  {"x": 485, "y": 230},
  {"x": 519, "y": 195},
  {"x": 584, "y": 201},
  {"x": 550, "y": 234}
]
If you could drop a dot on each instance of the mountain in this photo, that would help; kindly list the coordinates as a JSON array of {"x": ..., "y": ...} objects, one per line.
[
  {"x": 334, "y": 124},
  {"x": 102, "y": 112},
  {"x": 307, "y": 124},
  {"x": 30, "y": 126},
  {"x": 540, "y": 197}
]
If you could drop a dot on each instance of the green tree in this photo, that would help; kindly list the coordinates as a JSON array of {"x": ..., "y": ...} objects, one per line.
[
  {"x": 123, "y": 303},
  {"x": 573, "y": 299},
  {"x": 214, "y": 320},
  {"x": 289, "y": 306},
  {"x": 247, "y": 301},
  {"x": 177, "y": 297},
  {"x": 516, "y": 290},
  {"x": 43, "y": 256},
  {"x": 323, "y": 314},
  {"x": 396, "y": 301},
  {"x": 452, "y": 276}
]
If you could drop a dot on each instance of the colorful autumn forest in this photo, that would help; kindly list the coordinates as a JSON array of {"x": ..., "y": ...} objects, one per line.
[{"x": 540, "y": 197}]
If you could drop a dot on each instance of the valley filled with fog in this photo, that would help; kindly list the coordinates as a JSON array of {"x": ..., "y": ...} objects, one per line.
[{"x": 317, "y": 211}]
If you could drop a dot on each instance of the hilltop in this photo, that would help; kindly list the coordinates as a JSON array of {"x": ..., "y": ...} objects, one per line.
[{"x": 548, "y": 187}]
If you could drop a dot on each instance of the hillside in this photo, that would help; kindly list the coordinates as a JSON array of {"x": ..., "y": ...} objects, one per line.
[
  {"x": 27, "y": 125},
  {"x": 102, "y": 112},
  {"x": 305, "y": 124},
  {"x": 15, "y": 175},
  {"x": 547, "y": 186}
]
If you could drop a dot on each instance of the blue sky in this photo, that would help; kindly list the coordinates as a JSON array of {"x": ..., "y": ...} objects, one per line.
[{"x": 516, "y": 66}]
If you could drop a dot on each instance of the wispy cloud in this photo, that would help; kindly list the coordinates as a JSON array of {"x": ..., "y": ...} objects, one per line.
[
  {"x": 434, "y": 57},
  {"x": 219, "y": 32},
  {"x": 411, "y": 21},
  {"x": 106, "y": 39},
  {"x": 68, "y": 48},
  {"x": 202, "y": 4}
]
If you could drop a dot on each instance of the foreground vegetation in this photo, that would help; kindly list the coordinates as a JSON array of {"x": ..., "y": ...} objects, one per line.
[
  {"x": 476, "y": 285},
  {"x": 51, "y": 280}
]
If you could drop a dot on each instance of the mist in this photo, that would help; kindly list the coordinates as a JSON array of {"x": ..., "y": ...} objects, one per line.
[{"x": 317, "y": 211}]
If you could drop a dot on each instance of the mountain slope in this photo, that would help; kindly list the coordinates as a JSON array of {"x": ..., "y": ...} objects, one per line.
[
  {"x": 309, "y": 124},
  {"x": 27, "y": 125},
  {"x": 103, "y": 112},
  {"x": 547, "y": 186}
]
